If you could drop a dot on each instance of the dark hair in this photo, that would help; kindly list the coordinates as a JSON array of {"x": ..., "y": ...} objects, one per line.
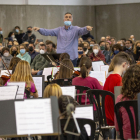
[
  {"x": 117, "y": 46},
  {"x": 32, "y": 44},
  {"x": 17, "y": 27},
  {"x": 68, "y": 13},
  {"x": 121, "y": 58},
  {"x": 101, "y": 42},
  {"x": 64, "y": 56},
  {"x": 81, "y": 45},
  {"x": 13, "y": 63},
  {"x": 130, "y": 41},
  {"x": 5, "y": 48},
  {"x": 92, "y": 40},
  {"x": 124, "y": 39},
  {"x": 43, "y": 45},
  {"x": 29, "y": 27},
  {"x": 50, "y": 42},
  {"x": 131, "y": 82},
  {"x": 10, "y": 41},
  {"x": 113, "y": 38},
  {"x": 85, "y": 64},
  {"x": 9, "y": 35},
  {"x": 63, "y": 101}
]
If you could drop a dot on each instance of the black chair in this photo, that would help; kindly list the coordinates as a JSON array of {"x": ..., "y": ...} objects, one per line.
[
  {"x": 63, "y": 82},
  {"x": 103, "y": 127},
  {"x": 80, "y": 89},
  {"x": 71, "y": 127},
  {"x": 127, "y": 105}
]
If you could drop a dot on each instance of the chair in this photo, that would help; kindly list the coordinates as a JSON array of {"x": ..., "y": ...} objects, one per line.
[
  {"x": 100, "y": 107},
  {"x": 80, "y": 94},
  {"x": 127, "y": 105},
  {"x": 71, "y": 127},
  {"x": 63, "y": 82}
]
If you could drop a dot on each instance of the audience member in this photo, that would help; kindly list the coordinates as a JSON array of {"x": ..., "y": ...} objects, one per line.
[
  {"x": 32, "y": 51},
  {"x": 108, "y": 38},
  {"x": 6, "y": 56},
  {"x": 80, "y": 40},
  {"x": 116, "y": 49},
  {"x": 64, "y": 72},
  {"x": 23, "y": 73},
  {"x": 85, "y": 37},
  {"x": 130, "y": 89},
  {"x": 50, "y": 47},
  {"x": 52, "y": 90},
  {"x": 103, "y": 39},
  {"x": 132, "y": 37},
  {"x": 102, "y": 45},
  {"x": 107, "y": 52},
  {"x": 39, "y": 62},
  {"x": 121, "y": 62},
  {"x": 137, "y": 51},
  {"x": 1, "y": 36},
  {"x": 23, "y": 55},
  {"x": 10, "y": 44},
  {"x": 113, "y": 41},
  {"x": 29, "y": 36},
  {"x": 97, "y": 54},
  {"x": 14, "y": 51},
  {"x": 11, "y": 36},
  {"x": 18, "y": 34},
  {"x": 129, "y": 47}
]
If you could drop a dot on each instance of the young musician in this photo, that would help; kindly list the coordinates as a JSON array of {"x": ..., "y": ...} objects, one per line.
[
  {"x": 121, "y": 62},
  {"x": 65, "y": 71},
  {"x": 52, "y": 90},
  {"x": 23, "y": 74},
  {"x": 130, "y": 89}
]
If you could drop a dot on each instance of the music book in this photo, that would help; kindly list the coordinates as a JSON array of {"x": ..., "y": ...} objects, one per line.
[
  {"x": 85, "y": 112},
  {"x": 29, "y": 117},
  {"x": 69, "y": 90}
]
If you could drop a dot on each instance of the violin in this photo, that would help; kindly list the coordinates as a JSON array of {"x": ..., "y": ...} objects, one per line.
[{"x": 5, "y": 78}]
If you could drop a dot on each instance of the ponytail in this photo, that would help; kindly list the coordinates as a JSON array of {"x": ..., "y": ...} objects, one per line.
[{"x": 83, "y": 71}]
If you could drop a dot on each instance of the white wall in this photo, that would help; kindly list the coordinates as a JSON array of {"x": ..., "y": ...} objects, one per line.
[{"x": 66, "y": 2}]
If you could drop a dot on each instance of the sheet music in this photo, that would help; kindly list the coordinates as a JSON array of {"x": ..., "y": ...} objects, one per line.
[
  {"x": 5, "y": 72},
  {"x": 47, "y": 72},
  {"x": 87, "y": 113},
  {"x": 77, "y": 68},
  {"x": 8, "y": 92},
  {"x": 55, "y": 70},
  {"x": 96, "y": 65},
  {"x": 38, "y": 83},
  {"x": 99, "y": 75},
  {"x": 33, "y": 116},
  {"x": 69, "y": 90},
  {"x": 21, "y": 85},
  {"x": 105, "y": 68},
  {"x": 20, "y": 96}
]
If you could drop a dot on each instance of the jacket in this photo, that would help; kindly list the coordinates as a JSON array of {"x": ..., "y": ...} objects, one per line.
[
  {"x": 39, "y": 63},
  {"x": 25, "y": 57},
  {"x": 99, "y": 57}
]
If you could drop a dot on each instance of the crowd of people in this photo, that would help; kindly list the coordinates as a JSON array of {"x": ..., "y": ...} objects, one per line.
[{"x": 23, "y": 55}]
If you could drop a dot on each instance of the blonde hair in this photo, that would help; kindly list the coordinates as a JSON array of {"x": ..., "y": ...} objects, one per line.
[
  {"x": 52, "y": 90},
  {"x": 22, "y": 72},
  {"x": 135, "y": 46}
]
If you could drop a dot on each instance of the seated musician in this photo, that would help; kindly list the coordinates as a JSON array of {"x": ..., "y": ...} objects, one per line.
[{"x": 23, "y": 74}]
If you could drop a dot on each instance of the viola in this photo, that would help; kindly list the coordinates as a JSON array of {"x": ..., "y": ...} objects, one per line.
[{"x": 5, "y": 78}]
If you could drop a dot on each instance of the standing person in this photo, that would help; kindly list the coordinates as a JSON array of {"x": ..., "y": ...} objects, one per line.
[
  {"x": 67, "y": 37},
  {"x": 28, "y": 36},
  {"x": 120, "y": 63},
  {"x": 18, "y": 34}
]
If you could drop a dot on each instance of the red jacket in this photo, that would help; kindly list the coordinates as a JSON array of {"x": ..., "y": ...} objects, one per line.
[{"x": 99, "y": 55}]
